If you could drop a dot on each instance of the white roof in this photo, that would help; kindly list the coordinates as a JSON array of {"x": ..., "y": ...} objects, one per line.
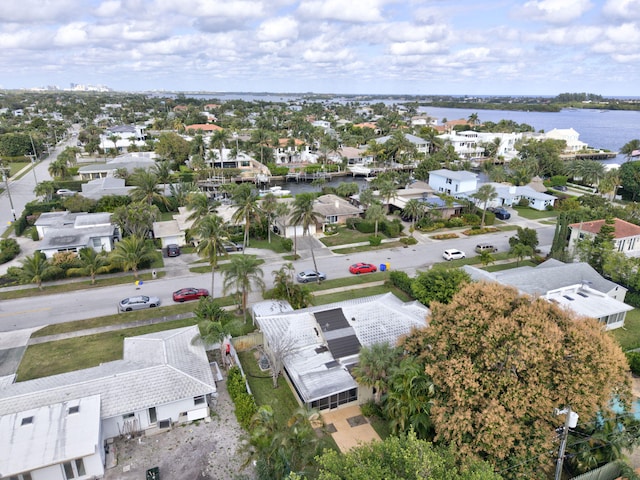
[
  {"x": 586, "y": 302},
  {"x": 49, "y": 435},
  {"x": 460, "y": 175}
]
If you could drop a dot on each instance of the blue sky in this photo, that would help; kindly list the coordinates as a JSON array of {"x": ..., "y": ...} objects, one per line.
[{"x": 422, "y": 47}]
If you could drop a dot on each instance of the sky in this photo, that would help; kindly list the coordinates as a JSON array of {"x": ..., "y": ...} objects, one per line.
[{"x": 401, "y": 47}]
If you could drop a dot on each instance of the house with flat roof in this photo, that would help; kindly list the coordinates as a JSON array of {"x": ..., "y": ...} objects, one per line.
[
  {"x": 128, "y": 161},
  {"x": 626, "y": 235},
  {"x": 555, "y": 280},
  {"x": 55, "y": 427},
  {"x": 453, "y": 182},
  {"x": 326, "y": 342}
]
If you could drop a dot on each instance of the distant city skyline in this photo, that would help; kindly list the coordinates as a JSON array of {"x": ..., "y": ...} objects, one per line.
[{"x": 385, "y": 47}]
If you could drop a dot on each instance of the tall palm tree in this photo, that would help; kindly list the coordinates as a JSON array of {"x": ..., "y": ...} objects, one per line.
[
  {"x": 131, "y": 252},
  {"x": 630, "y": 147},
  {"x": 59, "y": 169},
  {"x": 92, "y": 263},
  {"x": 35, "y": 267},
  {"x": 211, "y": 232},
  {"x": 162, "y": 171},
  {"x": 304, "y": 214},
  {"x": 269, "y": 208},
  {"x": 243, "y": 273},
  {"x": 200, "y": 206},
  {"x": 375, "y": 213},
  {"x": 473, "y": 119},
  {"x": 485, "y": 194},
  {"x": 246, "y": 199},
  {"x": 261, "y": 138},
  {"x": 375, "y": 150},
  {"x": 219, "y": 140},
  {"x": 414, "y": 209},
  {"x": 388, "y": 190},
  {"x": 114, "y": 139},
  {"x": 146, "y": 187},
  {"x": 45, "y": 189}
]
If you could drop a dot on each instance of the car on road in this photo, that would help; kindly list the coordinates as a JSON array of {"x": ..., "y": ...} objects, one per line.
[
  {"x": 185, "y": 294},
  {"x": 138, "y": 303},
  {"x": 500, "y": 213},
  {"x": 485, "y": 247},
  {"x": 453, "y": 254},
  {"x": 310, "y": 276},
  {"x": 561, "y": 188},
  {"x": 65, "y": 192},
  {"x": 358, "y": 268},
  {"x": 173, "y": 250}
]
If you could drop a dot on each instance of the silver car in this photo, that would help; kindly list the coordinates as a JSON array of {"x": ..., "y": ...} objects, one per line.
[
  {"x": 138, "y": 303},
  {"x": 311, "y": 276}
]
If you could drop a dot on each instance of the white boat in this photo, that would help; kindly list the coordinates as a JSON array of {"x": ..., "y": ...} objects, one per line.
[
  {"x": 276, "y": 190},
  {"x": 359, "y": 170}
]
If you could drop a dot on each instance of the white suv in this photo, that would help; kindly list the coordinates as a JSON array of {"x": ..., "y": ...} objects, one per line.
[{"x": 453, "y": 254}]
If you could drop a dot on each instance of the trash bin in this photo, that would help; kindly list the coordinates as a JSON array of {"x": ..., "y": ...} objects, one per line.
[
  {"x": 153, "y": 473},
  {"x": 388, "y": 265},
  {"x": 383, "y": 267}
]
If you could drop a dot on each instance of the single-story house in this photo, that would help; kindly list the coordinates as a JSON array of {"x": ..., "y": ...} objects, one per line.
[
  {"x": 59, "y": 427},
  {"x": 420, "y": 144},
  {"x": 174, "y": 231},
  {"x": 100, "y": 187},
  {"x": 626, "y": 236},
  {"x": 334, "y": 210},
  {"x": 510, "y": 195},
  {"x": 552, "y": 277},
  {"x": 128, "y": 161},
  {"x": 71, "y": 232},
  {"x": 324, "y": 342}
]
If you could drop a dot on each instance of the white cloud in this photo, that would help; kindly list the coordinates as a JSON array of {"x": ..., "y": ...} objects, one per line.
[
  {"x": 414, "y": 48},
  {"x": 71, "y": 35},
  {"x": 109, "y": 9},
  {"x": 555, "y": 11},
  {"x": 39, "y": 11},
  {"x": 275, "y": 29},
  {"x": 624, "y": 9},
  {"x": 345, "y": 11}
]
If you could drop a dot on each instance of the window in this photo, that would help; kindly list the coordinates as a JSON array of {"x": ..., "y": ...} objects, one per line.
[
  {"x": 22, "y": 476},
  {"x": 332, "y": 219},
  {"x": 198, "y": 400},
  {"x": 74, "y": 409},
  {"x": 153, "y": 417},
  {"x": 27, "y": 421},
  {"x": 127, "y": 416},
  {"x": 74, "y": 469},
  {"x": 96, "y": 242}
]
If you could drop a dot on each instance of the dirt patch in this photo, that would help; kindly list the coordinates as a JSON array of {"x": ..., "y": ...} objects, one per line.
[{"x": 199, "y": 450}]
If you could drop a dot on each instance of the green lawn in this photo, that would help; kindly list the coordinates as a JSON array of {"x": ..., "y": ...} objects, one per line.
[
  {"x": 531, "y": 214},
  {"x": 368, "y": 248},
  {"x": 629, "y": 336},
  {"x": 347, "y": 236},
  {"x": 323, "y": 299}
]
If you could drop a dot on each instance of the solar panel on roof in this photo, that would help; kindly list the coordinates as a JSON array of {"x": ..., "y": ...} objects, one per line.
[{"x": 332, "y": 319}]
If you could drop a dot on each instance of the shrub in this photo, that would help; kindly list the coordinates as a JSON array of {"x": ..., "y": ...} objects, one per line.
[
  {"x": 455, "y": 222},
  {"x": 634, "y": 362},
  {"x": 374, "y": 240},
  {"x": 244, "y": 402},
  {"x": 408, "y": 241},
  {"x": 523, "y": 202},
  {"x": 331, "y": 229},
  {"x": 633, "y": 299},
  {"x": 471, "y": 219},
  {"x": 371, "y": 409},
  {"x": 353, "y": 222},
  {"x": 366, "y": 227},
  {"x": 391, "y": 229},
  {"x": 9, "y": 249},
  {"x": 401, "y": 281},
  {"x": 287, "y": 244}
]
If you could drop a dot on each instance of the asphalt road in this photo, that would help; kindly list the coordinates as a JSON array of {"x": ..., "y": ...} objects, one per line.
[{"x": 50, "y": 309}]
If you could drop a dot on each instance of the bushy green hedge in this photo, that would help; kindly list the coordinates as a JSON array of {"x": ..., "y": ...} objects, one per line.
[
  {"x": 9, "y": 249},
  {"x": 287, "y": 244},
  {"x": 408, "y": 241},
  {"x": 401, "y": 281},
  {"x": 633, "y": 299},
  {"x": 374, "y": 240},
  {"x": 634, "y": 362},
  {"x": 244, "y": 402}
]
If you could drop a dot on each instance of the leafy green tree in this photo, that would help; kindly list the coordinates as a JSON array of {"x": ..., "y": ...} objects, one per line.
[
  {"x": 59, "y": 169},
  {"x": 374, "y": 367},
  {"x": 146, "y": 188},
  {"x": 501, "y": 362},
  {"x": 173, "y": 147},
  {"x": 303, "y": 213},
  {"x": 544, "y": 156},
  {"x": 92, "y": 263},
  {"x": 486, "y": 257},
  {"x": 135, "y": 219},
  {"x": 520, "y": 250},
  {"x": 415, "y": 210},
  {"x": 35, "y": 268},
  {"x": 211, "y": 232},
  {"x": 45, "y": 189},
  {"x": 400, "y": 457},
  {"x": 595, "y": 250},
  {"x": 388, "y": 191},
  {"x": 526, "y": 236},
  {"x": 285, "y": 288},
  {"x": 131, "y": 252},
  {"x": 630, "y": 179},
  {"x": 438, "y": 284},
  {"x": 243, "y": 273},
  {"x": 346, "y": 189},
  {"x": 484, "y": 195}
]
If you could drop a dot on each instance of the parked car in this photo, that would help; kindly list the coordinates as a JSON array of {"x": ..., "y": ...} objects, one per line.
[
  {"x": 485, "y": 247},
  {"x": 138, "y": 303},
  {"x": 310, "y": 276},
  {"x": 453, "y": 254},
  {"x": 233, "y": 247},
  {"x": 561, "y": 188},
  {"x": 358, "y": 268},
  {"x": 173, "y": 250},
  {"x": 500, "y": 212},
  {"x": 65, "y": 192},
  {"x": 185, "y": 294}
]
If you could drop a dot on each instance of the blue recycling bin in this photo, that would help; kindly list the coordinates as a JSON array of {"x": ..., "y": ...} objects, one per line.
[{"x": 383, "y": 267}]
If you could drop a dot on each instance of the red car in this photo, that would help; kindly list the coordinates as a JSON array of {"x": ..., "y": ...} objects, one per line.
[
  {"x": 358, "y": 268},
  {"x": 185, "y": 294}
]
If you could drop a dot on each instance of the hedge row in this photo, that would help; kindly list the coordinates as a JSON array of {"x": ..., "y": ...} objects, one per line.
[
  {"x": 9, "y": 249},
  {"x": 245, "y": 403}
]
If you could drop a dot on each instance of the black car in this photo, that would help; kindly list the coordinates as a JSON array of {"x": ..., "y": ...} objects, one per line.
[
  {"x": 561, "y": 188},
  {"x": 233, "y": 247},
  {"x": 173, "y": 250},
  {"x": 500, "y": 213}
]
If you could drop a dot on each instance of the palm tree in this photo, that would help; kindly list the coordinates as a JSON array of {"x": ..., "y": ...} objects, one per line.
[
  {"x": 200, "y": 206},
  {"x": 246, "y": 199},
  {"x": 45, "y": 189},
  {"x": 520, "y": 250},
  {"x": 213, "y": 320},
  {"x": 473, "y": 119},
  {"x": 630, "y": 147},
  {"x": 375, "y": 150},
  {"x": 388, "y": 191},
  {"x": 114, "y": 139},
  {"x": 59, "y": 169},
  {"x": 244, "y": 272},
  {"x": 485, "y": 194},
  {"x": 303, "y": 213},
  {"x": 92, "y": 263},
  {"x": 131, "y": 252},
  {"x": 415, "y": 209},
  {"x": 219, "y": 139},
  {"x": 162, "y": 171},
  {"x": 211, "y": 232},
  {"x": 269, "y": 208},
  {"x": 35, "y": 267},
  {"x": 374, "y": 367},
  {"x": 375, "y": 213},
  {"x": 146, "y": 187},
  {"x": 261, "y": 138}
]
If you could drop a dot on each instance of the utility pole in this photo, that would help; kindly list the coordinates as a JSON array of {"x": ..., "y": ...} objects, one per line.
[
  {"x": 6, "y": 182},
  {"x": 570, "y": 422},
  {"x": 34, "y": 159}
]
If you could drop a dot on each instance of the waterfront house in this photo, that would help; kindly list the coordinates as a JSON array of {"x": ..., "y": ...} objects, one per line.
[
  {"x": 452, "y": 182},
  {"x": 128, "y": 162},
  {"x": 626, "y": 236},
  {"x": 334, "y": 210}
]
